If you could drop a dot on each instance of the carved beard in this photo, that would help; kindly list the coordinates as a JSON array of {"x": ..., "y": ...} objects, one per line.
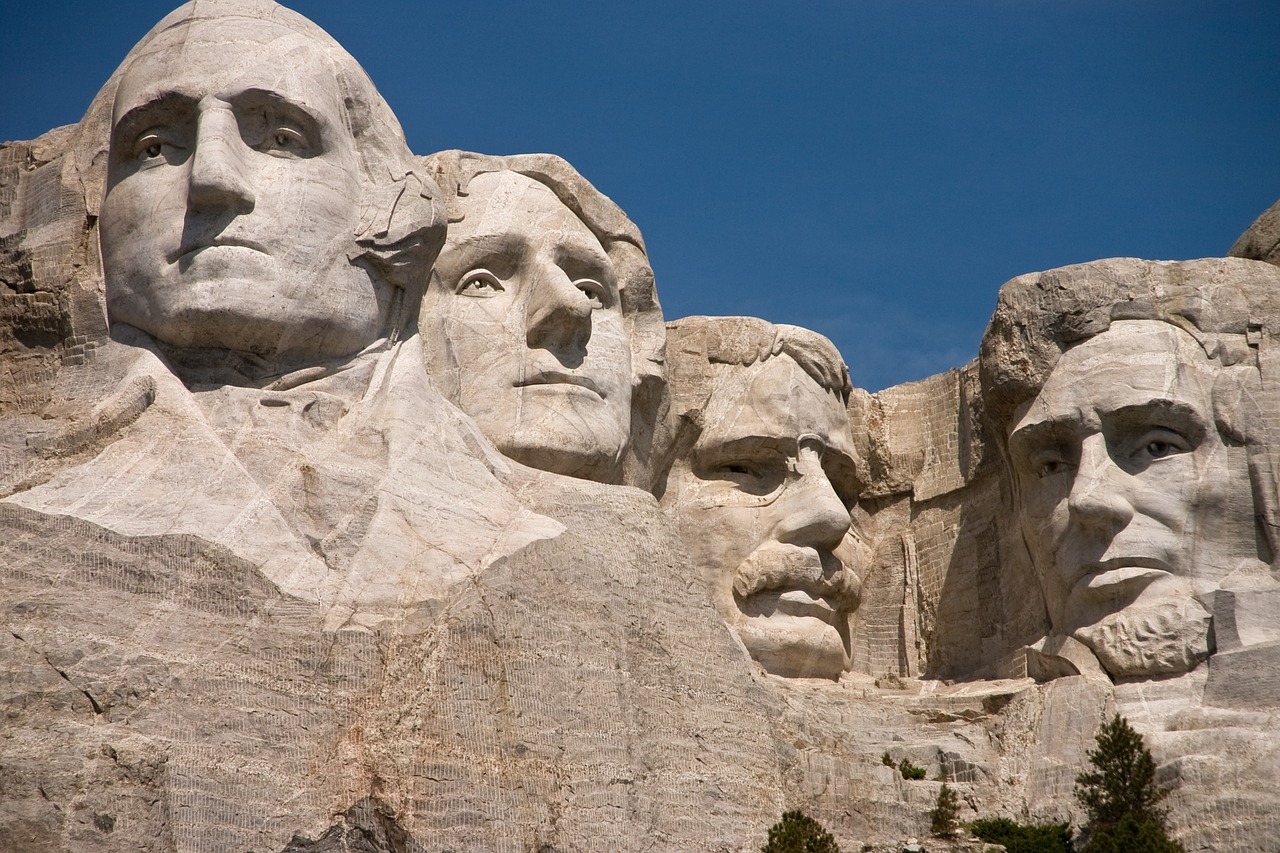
[{"x": 1161, "y": 638}]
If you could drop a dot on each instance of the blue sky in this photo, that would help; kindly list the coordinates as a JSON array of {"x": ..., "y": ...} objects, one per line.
[{"x": 871, "y": 169}]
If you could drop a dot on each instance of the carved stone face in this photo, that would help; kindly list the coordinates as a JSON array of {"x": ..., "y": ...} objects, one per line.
[
  {"x": 762, "y": 503},
  {"x": 1133, "y": 506},
  {"x": 233, "y": 196},
  {"x": 524, "y": 330}
]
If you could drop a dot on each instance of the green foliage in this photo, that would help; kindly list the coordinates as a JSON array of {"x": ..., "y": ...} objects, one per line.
[
  {"x": 1131, "y": 835},
  {"x": 887, "y": 760},
  {"x": 942, "y": 820},
  {"x": 909, "y": 770},
  {"x": 1024, "y": 838},
  {"x": 1121, "y": 797},
  {"x": 796, "y": 832}
]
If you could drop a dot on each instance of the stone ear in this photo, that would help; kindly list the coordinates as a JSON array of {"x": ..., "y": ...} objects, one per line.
[{"x": 1234, "y": 402}]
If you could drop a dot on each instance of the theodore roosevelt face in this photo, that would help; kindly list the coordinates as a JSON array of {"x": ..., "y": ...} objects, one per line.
[
  {"x": 233, "y": 197},
  {"x": 524, "y": 330},
  {"x": 762, "y": 502}
]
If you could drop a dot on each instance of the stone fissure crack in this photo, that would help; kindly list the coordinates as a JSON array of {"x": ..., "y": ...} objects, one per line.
[{"x": 97, "y": 708}]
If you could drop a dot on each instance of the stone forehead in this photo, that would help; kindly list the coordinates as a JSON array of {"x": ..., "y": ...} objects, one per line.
[
  {"x": 773, "y": 397},
  {"x": 206, "y": 55},
  {"x": 1040, "y": 316},
  {"x": 501, "y": 202},
  {"x": 370, "y": 115},
  {"x": 701, "y": 350},
  {"x": 1146, "y": 342},
  {"x": 256, "y": 10},
  {"x": 1133, "y": 360},
  {"x": 455, "y": 170},
  {"x": 290, "y": 45}
]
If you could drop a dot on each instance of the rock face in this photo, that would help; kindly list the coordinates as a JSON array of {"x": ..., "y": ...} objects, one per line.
[
  {"x": 1261, "y": 242},
  {"x": 762, "y": 476},
  {"x": 359, "y": 501}
]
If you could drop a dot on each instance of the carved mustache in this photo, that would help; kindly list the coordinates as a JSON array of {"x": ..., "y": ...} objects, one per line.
[{"x": 777, "y": 566}]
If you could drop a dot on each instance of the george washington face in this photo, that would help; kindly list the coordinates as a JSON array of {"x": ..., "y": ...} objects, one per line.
[{"x": 233, "y": 197}]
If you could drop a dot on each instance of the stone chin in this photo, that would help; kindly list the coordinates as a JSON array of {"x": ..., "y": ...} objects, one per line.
[
  {"x": 562, "y": 454},
  {"x": 1162, "y": 638},
  {"x": 583, "y": 466},
  {"x": 795, "y": 646}
]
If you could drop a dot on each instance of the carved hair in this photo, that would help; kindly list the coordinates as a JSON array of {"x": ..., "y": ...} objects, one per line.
[
  {"x": 402, "y": 217},
  {"x": 747, "y": 340},
  {"x": 1231, "y": 307},
  {"x": 694, "y": 343}
]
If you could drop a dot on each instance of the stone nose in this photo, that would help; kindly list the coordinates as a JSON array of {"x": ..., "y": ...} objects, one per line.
[
  {"x": 219, "y": 178},
  {"x": 1099, "y": 501},
  {"x": 811, "y": 514},
  {"x": 558, "y": 313}
]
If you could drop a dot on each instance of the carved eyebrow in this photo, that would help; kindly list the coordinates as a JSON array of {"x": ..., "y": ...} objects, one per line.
[
  {"x": 747, "y": 443},
  {"x": 1041, "y": 433},
  {"x": 585, "y": 251},
  {"x": 585, "y": 255},
  {"x": 1160, "y": 412},
  {"x": 501, "y": 254},
  {"x": 290, "y": 108},
  {"x": 506, "y": 242},
  {"x": 785, "y": 444},
  {"x": 137, "y": 117}
]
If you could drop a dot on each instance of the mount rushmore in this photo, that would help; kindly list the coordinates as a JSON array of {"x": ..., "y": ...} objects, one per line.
[{"x": 354, "y": 493}]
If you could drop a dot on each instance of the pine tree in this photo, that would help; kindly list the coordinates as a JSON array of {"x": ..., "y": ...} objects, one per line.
[
  {"x": 1121, "y": 797},
  {"x": 1022, "y": 837},
  {"x": 796, "y": 832},
  {"x": 942, "y": 820}
]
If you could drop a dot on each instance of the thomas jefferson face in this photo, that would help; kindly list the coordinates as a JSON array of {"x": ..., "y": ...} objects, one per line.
[
  {"x": 233, "y": 197},
  {"x": 762, "y": 503},
  {"x": 524, "y": 330},
  {"x": 1133, "y": 506}
]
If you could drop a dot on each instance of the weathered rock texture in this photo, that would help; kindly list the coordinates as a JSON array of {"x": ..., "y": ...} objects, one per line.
[
  {"x": 937, "y": 602},
  {"x": 266, "y": 590},
  {"x": 1261, "y": 241},
  {"x": 1135, "y": 403},
  {"x": 762, "y": 476}
]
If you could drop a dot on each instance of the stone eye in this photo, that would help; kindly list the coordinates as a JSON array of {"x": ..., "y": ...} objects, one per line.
[
  {"x": 286, "y": 139},
  {"x": 1048, "y": 469},
  {"x": 1161, "y": 444},
  {"x": 1049, "y": 462},
  {"x": 150, "y": 147},
  {"x": 593, "y": 290},
  {"x": 480, "y": 283}
]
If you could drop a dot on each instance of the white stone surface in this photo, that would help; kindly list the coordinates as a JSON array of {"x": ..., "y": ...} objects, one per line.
[
  {"x": 762, "y": 479},
  {"x": 290, "y": 561}
]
